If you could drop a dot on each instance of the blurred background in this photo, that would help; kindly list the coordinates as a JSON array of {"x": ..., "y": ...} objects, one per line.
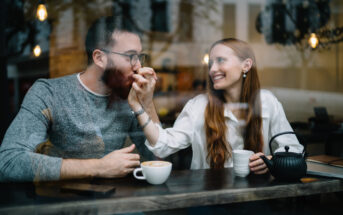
[{"x": 298, "y": 46}]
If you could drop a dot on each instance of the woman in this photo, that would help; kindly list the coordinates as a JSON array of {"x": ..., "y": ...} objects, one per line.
[{"x": 234, "y": 114}]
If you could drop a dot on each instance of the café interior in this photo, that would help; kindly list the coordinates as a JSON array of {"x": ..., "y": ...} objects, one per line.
[{"x": 298, "y": 46}]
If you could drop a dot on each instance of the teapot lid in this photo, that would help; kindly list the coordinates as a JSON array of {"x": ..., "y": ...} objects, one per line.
[{"x": 287, "y": 153}]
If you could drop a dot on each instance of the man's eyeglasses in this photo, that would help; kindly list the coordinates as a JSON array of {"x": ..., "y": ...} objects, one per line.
[{"x": 133, "y": 57}]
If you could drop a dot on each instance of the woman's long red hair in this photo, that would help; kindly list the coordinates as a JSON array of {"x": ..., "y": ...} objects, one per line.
[{"x": 218, "y": 148}]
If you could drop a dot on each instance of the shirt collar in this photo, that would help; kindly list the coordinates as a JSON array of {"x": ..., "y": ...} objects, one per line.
[{"x": 228, "y": 114}]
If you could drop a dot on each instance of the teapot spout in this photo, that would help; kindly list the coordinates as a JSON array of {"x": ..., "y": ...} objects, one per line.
[{"x": 268, "y": 162}]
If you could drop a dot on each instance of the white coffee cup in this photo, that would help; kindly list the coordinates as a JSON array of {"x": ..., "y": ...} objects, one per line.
[
  {"x": 241, "y": 162},
  {"x": 155, "y": 172}
]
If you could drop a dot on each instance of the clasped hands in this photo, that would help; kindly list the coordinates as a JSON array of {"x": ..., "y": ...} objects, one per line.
[{"x": 142, "y": 90}]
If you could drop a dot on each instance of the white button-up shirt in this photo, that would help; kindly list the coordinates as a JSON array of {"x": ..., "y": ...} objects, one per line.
[{"x": 189, "y": 130}]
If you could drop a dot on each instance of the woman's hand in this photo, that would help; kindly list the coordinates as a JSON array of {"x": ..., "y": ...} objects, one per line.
[{"x": 257, "y": 165}]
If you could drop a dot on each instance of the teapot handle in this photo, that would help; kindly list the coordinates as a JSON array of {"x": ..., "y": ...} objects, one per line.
[{"x": 276, "y": 135}]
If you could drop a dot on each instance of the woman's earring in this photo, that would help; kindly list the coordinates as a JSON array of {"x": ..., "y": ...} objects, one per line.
[{"x": 244, "y": 74}]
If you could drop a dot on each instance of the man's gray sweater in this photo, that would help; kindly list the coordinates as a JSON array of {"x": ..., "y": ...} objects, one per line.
[{"x": 70, "y": 122}]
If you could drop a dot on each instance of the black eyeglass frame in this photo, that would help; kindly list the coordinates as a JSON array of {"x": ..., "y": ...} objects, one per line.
[{"x": 141, "y": 57}]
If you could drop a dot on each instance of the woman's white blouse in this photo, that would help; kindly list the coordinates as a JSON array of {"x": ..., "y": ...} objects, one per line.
[{"x": 189, "y": 130}]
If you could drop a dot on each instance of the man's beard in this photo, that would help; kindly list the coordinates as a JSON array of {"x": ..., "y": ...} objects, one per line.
[{"x": 117, "y": 82}]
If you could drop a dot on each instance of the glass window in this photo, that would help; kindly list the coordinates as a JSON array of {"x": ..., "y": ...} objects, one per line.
[
  {"x": 297, "y": 44},
  {"x": 185, "y": 21},
  {"x": 159, "y": 20},
  {"x": 254, "y": 10},
  {"x": 229, "y": 20}
]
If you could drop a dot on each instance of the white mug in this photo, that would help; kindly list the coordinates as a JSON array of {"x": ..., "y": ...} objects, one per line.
[
  {"x": 241, "y": 162},
  {"x": 155, "y": 172}
]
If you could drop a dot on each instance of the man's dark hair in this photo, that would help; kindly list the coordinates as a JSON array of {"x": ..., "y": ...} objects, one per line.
[{"x": 99, "y": 35}]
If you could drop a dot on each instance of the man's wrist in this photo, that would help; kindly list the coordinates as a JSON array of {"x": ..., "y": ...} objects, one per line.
[
  {"x": 138, "y": 111},
  {"x": 93, "y": 167},
  {"x": 76, "y": 168},
  {"x": 96, "y": 167}
]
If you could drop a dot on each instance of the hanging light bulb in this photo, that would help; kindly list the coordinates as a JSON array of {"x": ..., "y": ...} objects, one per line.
[
  {"x": 37, "y": 51},
  {"x": 205, "y": 59},
  {"x": 313, "y": 40},
  {"x": 42, "y": 13}
]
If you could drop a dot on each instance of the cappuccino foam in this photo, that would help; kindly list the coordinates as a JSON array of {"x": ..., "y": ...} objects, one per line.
[{"x": 155, "y": 163}]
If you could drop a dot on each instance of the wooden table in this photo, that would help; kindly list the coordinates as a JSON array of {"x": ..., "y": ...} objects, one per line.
[{"x": 185, "y": 188}]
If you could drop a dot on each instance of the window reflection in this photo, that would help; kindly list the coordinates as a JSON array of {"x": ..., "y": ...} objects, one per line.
[{"x": 177, "y": 35}]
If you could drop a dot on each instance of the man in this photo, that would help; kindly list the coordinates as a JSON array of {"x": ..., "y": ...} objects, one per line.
[{"x": 82, "y": 120}]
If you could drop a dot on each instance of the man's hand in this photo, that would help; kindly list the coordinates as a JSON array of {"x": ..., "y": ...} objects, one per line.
[
  {"x": 118, "y": 163},
  {"x": 257, "y": 165},
  {"x": 133, "y": 100}
]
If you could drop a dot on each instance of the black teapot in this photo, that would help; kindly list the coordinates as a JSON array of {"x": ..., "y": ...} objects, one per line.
[{"x": 286, "y": 166}]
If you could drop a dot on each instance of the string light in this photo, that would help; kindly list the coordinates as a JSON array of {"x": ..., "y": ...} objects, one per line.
[
  {"x": 313, "y": 40},
  {"x": 37, "y": 51},
  {"x": 42, "y": 13},
  {"x": 205, "y": 59}
]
